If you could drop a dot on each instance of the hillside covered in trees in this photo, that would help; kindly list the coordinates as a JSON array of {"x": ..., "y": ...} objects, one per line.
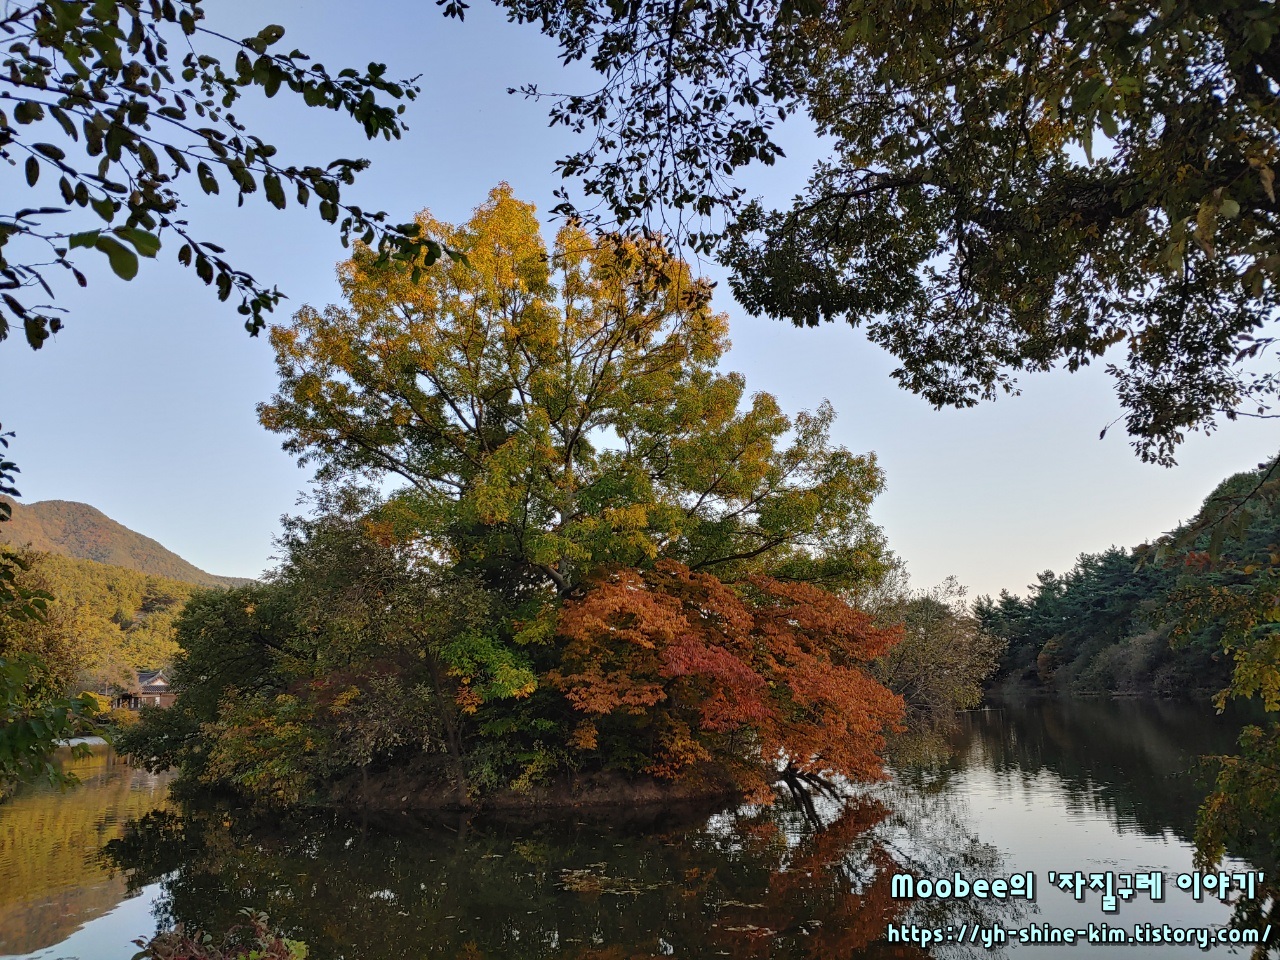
[
  {"x": 101, "y": 624},
  {"x": 82, "y": 532},
  {"x": 1114, "y": 622}
]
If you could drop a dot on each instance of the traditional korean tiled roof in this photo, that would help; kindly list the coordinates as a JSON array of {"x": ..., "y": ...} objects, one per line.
[{"x": 152, "y": 679}]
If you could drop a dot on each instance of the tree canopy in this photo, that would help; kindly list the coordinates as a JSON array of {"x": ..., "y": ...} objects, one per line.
[
  {"x": 1014, "y": 185},
  {"x": 945, "y": 654},
  {"x": 558, "y": 410},
  {"x": 784, "y": 666}
]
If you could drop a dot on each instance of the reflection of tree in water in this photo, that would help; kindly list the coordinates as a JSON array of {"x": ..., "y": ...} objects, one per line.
[
  {"x": 1243, "y": 817},
  {"x": 1140, "y": 763},
  {"x": 827, "y": 896},
  {"x": 929, "y": 744},
  {"x": 1136, "y": 761},
  {"x": 748, "y": 883},
  {"x": 1262, "y": 912},
  {"x": 929, "y": 833}
]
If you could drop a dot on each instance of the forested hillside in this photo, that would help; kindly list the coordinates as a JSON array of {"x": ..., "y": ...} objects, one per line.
[
  {"x": 1108, "y": 624},
  {"x": 83, "y": 532},
  {"x": 102, "y": 623}
]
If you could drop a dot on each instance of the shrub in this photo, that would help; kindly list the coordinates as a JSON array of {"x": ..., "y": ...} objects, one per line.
[
  {"x": 251, "y": 940},
  {"x": 121, "y": 719}
]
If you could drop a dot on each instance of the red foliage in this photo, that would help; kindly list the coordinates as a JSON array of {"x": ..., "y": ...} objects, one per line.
[{"x": 774, "y": 671}]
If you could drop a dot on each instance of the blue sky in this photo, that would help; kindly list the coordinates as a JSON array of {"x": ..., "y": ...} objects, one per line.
[{"x": 144, "y": 405}]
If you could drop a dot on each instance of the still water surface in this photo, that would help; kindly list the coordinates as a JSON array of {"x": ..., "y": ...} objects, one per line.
[{"x": 1037, "y": 786}]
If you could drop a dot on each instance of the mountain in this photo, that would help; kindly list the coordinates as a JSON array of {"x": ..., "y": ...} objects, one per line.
[{"x": 83, "y": 532}]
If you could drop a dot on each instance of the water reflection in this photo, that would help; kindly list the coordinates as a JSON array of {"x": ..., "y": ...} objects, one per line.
[
  {"x": 745, "y": 883},
  {"x": 52, "y": 878},
  {"x": 1032, "y": 786},
  {"x": 1134, "y": 762}
]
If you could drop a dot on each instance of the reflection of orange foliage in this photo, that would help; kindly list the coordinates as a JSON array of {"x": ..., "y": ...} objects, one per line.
[
  {"x": 815, "y": 882},
  {"x": 779, "y": 666}
]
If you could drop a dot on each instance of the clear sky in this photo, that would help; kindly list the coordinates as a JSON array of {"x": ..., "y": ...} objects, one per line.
[{"x": 144, "y": 405}]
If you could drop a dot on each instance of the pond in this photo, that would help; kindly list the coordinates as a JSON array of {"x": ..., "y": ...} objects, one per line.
[{"x": 1107, "y": 787}]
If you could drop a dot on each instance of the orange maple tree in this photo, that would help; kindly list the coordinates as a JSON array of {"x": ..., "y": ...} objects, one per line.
[{"x": 706, "y": 679}]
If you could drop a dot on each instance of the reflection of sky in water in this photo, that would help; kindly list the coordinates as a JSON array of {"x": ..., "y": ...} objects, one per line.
[
  {"x": 1040, "y": 787},
  {"x": 131, "y": 918}
]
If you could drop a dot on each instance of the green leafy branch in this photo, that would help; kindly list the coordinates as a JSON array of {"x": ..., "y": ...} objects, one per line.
[
  {"x": 36, "y": 719},
  {"x": 101, "y": 77}
]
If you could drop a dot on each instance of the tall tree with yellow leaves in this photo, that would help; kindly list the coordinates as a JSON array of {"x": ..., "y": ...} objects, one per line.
[
  {"x": 554, "y": 411},
  {"x": 561, "y": 430}
]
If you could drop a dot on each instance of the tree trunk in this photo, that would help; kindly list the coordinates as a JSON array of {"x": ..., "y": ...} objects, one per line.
[{"x": 452, "y": 736}]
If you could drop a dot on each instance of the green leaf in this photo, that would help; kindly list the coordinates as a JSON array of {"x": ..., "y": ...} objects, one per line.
[
  {"x": 64, "y": 121},
  {"x": 33, "y": 171},
  {"x": 124, "y": 262},
  {"x": 274, "y": 190},
  {"x": 104, "y": 208},
  {"x": 147, "y": 244},
  {"x": 48, "y": 150},
  {"x": 178, "y": 159},
  {"x": 207, "y": 181}
]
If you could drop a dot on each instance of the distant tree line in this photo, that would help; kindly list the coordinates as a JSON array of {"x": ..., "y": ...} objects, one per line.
[
  {"x": 1102, "y": 627},
  {"x": 1119, "y": 621}
]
